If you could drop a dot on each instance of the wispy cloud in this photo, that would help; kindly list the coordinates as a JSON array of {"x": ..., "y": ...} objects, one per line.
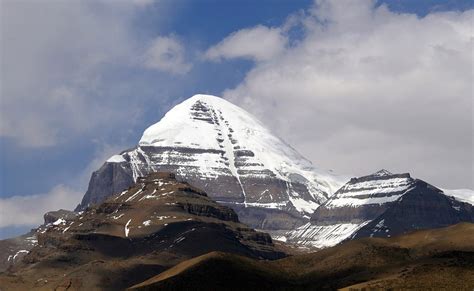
[
  {"x": 69, "y": 76},
  {"x": 54, "y": 55},
  {"x": 258, "y": 43},
  {"x": 63, "y": 66},
  {"x": 29, "y": 210}
]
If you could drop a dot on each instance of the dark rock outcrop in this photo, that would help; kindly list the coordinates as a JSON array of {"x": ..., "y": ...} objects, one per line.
[
  {"x": 111, "y": 178},
  {"x": 424, "y": 207},
  {"x": 52, "y": 216}
]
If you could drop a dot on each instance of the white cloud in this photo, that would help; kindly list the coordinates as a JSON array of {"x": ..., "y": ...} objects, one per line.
[
  {"x": 366, "y": 88},
  {"x": 62, "y": 69},
  {"x": 167, "y": 54},
  {"x": 258, "y": 43},
  {"x": 54, "y": 55},
  {"x": 29, "y": 210}
]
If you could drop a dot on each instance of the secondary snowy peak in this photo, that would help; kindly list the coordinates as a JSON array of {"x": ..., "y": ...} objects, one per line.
[
  {"x": 353, "y": 206},
  {"x": 221, "y": 148},
  {"x": 381, "y": 204},
  {"x": 382, "y": 173},
  {"x": 377, "y": 188}
]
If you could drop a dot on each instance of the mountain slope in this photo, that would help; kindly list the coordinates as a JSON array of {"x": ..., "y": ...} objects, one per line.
[
  {"x": 222, "y": 149},
  {"x": 382, "y": 204},
  {"x": 12, "y": 250},
  {"x": 440, "y": 259},
  {"x": 133, "y": 235},
  {"x": 422, "y": 207}
]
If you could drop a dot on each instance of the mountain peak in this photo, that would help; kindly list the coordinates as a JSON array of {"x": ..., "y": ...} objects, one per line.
[
  {"x": 197, "y": 121},
  {"x": 207, "y": 97},
  {"x": 219, "y": 147},
  {"x": 382, "y": 173}
]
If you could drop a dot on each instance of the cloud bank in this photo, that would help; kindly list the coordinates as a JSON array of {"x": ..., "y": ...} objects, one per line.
[
  {"x": 64, "y": 65},
  {"x": 29, "y": 210},
  {"x": 258, "y": 43},
  {"x": 364, "y": 88},
  {"x": 73, "y": 72}
]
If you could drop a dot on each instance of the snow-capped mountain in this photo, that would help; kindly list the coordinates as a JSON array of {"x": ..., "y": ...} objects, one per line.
[
  {"x": 382, "y": 205},
  {"x": 222, "y": 149}
]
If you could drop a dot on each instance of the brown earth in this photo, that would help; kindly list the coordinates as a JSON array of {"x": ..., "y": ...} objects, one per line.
[
  {"x": 132, "y": 236},
  {"x": 440, "y": 259}
]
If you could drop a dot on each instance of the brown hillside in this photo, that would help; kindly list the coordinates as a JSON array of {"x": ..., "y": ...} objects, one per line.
[{"x": 440, "y": 259}]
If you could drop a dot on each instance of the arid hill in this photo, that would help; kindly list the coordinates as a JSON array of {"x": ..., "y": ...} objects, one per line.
[
  {"x": 438, "y": 259},
  {"x": 132, "y": 236}
]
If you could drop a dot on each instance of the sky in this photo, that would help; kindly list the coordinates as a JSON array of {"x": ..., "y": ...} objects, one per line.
[{"x": 354, "y": 86}]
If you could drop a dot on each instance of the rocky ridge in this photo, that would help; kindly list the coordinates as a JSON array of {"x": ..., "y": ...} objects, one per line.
[
  {"x": 153, "y": 225},
  {"x": 381, "y": 205}
]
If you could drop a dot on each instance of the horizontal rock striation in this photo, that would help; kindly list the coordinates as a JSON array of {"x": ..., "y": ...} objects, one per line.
[
  {"x": 382, "y": 205},
  {"x": 218, "y": 147}
]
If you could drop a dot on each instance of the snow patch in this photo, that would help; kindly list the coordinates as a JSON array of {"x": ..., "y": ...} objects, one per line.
[
  {"x": 382, "y": 173},
  {"x": 134, "y": 195},
  {"x": 323, "y": 236},
  {"x": 127, "y": 230},
  {"x": 280, "y": 238},
  {"x": 273, "y": 205},
  {"x": 116, "y": 159},
  {"x": 302, "y": 205},
  {"x": 355, "y": 202},
  {"x": 18, "y": 253},
  {"x": 59, "y": 221},
  {"x": 117, "y": 217}
]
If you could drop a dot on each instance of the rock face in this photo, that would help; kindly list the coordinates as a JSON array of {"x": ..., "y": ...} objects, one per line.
[
  {"x": 153, "y": 225},
  {"x": 424, "y": 207},
  {"x": 53, "y": 216},
  {"x": 222, "y": 149},
  {"x": 381, "y": 205}
]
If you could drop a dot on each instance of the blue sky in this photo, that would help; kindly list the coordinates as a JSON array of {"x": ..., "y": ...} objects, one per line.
[{"x": 74, "y": 95}]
